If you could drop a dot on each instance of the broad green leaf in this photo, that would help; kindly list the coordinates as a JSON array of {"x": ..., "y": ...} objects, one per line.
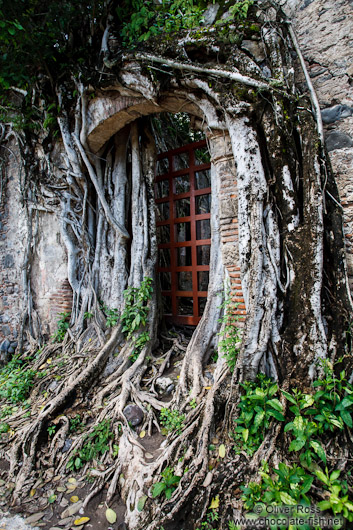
[
  {"x": 296, "y": 445},
  {"x": 306, "y": 485},
  {"x": 319, "y": 450},
  {"x": 298, "y": 423},
  {"x": 157, "y": 489},
  {"x": 287, "y": 499},
  {"x": 258, "y": 418},
  {"x": 321, "y": 476},
  {"x": 289, "y": 397},
  {"x": 110, "y": 516},
  {"x": 334, "y": 475},
  {"x": 347, "y": 418},
  {"x": 275, "y": 404},
  {"x": 276, "y": 415},
  {"x": 324, "y": 505},
  {"x": 141, "y": 503},
  {"x": 245, "y": 434},
  {"x": 307, "y": 401},
  {"x": 168, "y": 493}
]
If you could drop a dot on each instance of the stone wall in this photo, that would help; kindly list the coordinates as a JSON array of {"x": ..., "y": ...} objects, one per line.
[{"x": 324, "y": 31}]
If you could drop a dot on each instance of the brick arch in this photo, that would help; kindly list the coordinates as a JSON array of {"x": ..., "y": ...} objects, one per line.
[{"x": 109, "y": 113}]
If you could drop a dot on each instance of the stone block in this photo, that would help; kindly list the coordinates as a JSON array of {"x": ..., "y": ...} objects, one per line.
[{"x": 338, "y": 140}]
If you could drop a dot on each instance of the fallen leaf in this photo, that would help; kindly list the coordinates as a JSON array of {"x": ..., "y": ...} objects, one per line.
[
  {"x": 74, "y": 498},
  {"x": 72, "y": 480},
  {"x": 148, "y": 455},
  {"x": 110, "y": 515},
  {"x": 49, "y": 361},
  {"x": 52, "y": 498},
  {"x": 61, "y": 488},
  {"x": 142, "y": 434},
  {"x": 215, "y": 503},
  {"x": 70, "y": 487},
  {"x": 81, "y": 520},
  {"x": 71, "y": 510},
  {"x": 35, "y": 517},
  {"x": 141, "y": 503},
  {"x": 32, "y": 492},
  {"x": 207, "y": 387},
  {"x": 222, "y": 451}
]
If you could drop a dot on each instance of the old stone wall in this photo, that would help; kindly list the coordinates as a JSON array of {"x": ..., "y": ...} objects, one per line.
[
  {"x": 325, "y": 33},
  {"x": 12, "y": 244}
]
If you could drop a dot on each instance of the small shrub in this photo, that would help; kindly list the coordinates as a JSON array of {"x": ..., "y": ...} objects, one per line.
[
  {"x": 16, "y": 381},
  {"x": 258, "y": 407},
  {"x": 167, "y": 485},
  {"x": 63, "y": 326},
  {"x": 172, "y": 420},
  {"x": 96, "y": 443}
]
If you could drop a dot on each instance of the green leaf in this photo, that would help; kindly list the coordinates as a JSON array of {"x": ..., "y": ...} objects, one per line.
[
  {"x": 289, "y": 397},
  {"x": 275, "y": 404},
  {"x": 168, "y": 493},
  {"x": 321, "y": 476},
  {"x": 319, "y": 450},
  {"x": 157, "y": 489},
  {"x": 287, "y": 499},
  {"x": 307, "y": 485},
  {"x": 298, "y": 423},
  {"x": 276, "y": 415},
  {"x": 334, "y": 475},
  {"x": 245, "y": 434},
  {"x": 296, "y": 445},
  {"x": 258, "y": 418},
  {"x": 347, "y": 418},
  {"x": 324, "y": 505}
]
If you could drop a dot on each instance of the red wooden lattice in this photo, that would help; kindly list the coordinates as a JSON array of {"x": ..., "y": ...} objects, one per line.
[{"x": 183, "y": 198}]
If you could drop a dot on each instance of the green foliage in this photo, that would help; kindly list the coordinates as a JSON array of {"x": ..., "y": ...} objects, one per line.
[
  {"x": 87, "y": 315},
  {"x": 51, "y": 429},
  {"x": 134, "y": 316},
  {"x": 16, "y": 381},
  {"x": 167, "y": 485},
  {"x": 112, "y": 317},
  {"x": 229, "y": 344},
  {"x": 172, "y": 420},
  {"x": 4, "y": 428},
  {"x": 96, "y": 443},
  {"x": 239, "y": 10},
  {"x": 289, "y": 486},
  {"x": 76, "y": 424},
  {"x": 338, "y": 500},
  {"x": 136, "y": 309},
  {"x": 146, "y": 19},
  {"x": 258, "y": 407},
  {"x": 63, "y": 326}
]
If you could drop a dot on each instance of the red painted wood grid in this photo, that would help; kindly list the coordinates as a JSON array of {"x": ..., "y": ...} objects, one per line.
[{"x": 183, "y": 196}]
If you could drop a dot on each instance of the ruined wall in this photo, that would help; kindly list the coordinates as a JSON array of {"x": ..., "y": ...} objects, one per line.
[
  {"x": 12, "y": 244},
  {"x": 324, "y": 31}
]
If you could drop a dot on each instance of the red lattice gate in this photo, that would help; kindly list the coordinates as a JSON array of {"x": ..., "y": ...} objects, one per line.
[{"x": 183, "y": 198}]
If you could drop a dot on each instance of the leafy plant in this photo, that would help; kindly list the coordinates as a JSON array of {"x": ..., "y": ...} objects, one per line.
[
  {"x": 229, "y": 344},
  {"x": 76, "y": 424},
  {"x": 289, "y": 486},
  {"x": 112, "y": 317},
  {"x": 4, "y": 427},
  {"x": 139, "y": 343},
  {"x": 51, "y": 430},
  {"x": 97, "y": 443},
  {"x": 136, "y": 309},
  {"x": 258, "y": 407},
  {"x": 63, "y": 326},
  {"x": 167, "y": 485},
  {"x": 16, "y": 381},
  {"x": 303, "y": 428},
  {"x": 172, "y": 420},
  {"x": 338, "y": 500}
]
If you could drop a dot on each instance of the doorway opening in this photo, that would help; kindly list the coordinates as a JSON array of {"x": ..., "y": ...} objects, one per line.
[{"x": 183, "y": 199}]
